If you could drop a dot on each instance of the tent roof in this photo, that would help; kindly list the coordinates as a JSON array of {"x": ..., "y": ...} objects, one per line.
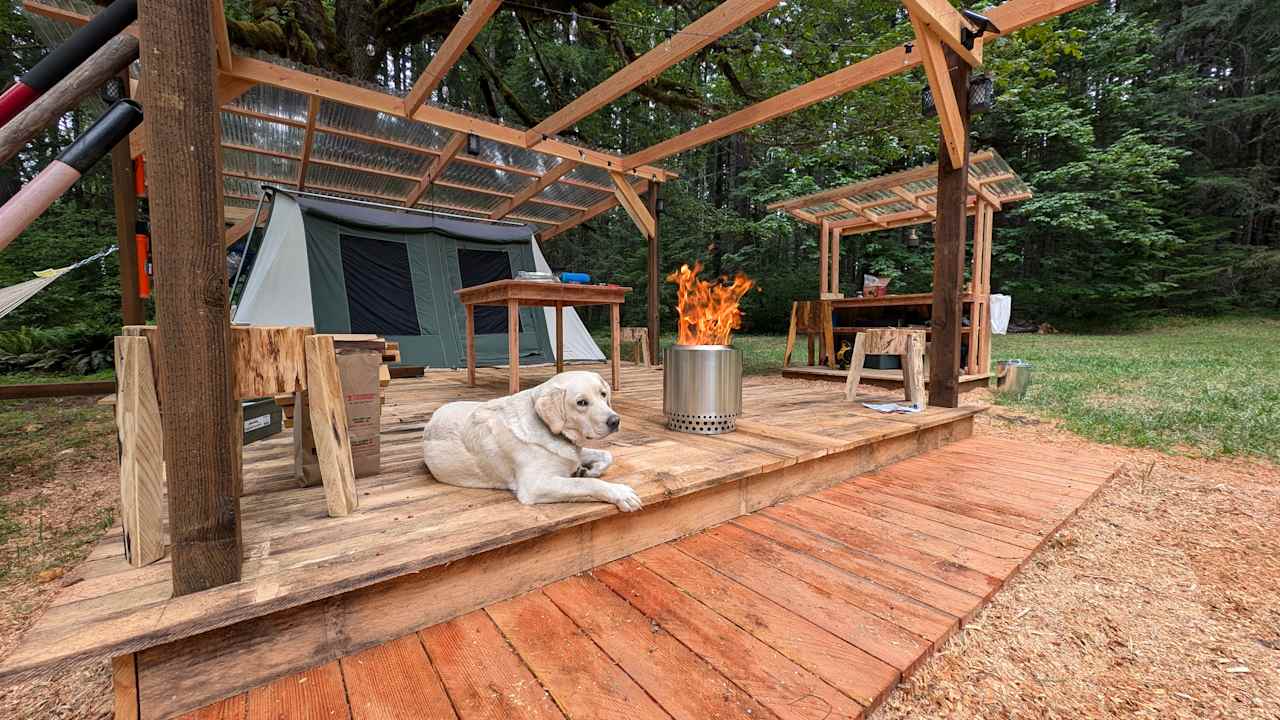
[{"x": 908, "y": 197}]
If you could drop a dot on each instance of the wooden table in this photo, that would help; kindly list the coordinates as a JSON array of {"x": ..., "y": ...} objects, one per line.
[{"x": 514, "y": 293}]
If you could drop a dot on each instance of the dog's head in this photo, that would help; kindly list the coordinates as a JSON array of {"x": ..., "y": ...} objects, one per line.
[{"x": 576, "y": 405}]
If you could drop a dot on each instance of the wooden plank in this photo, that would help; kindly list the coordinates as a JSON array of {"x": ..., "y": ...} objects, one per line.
[
  {"x": 31, "y": 391},
  {"x": 861, "y": 677},
  {"x": 232, "y": 708},
  {"x": 237, "y": 231},
  {"x": 451, "y": 149},
  {"x": 669, "y": 53},
  {"x": 877, "y": 637},
  {"x": 201, "y": 417},
  {"x": 319, "y": 690},
  {"x": 269, "y": 359},
  {"x": 329, "y": 424},
  {"x": 782, "y": 686},
  {"x": 635, "y": 207},
  {"x": 946, "y": 23},
  {"x": 532, "y": 189},
  {"x": 927, "y": 622},
  {"x": 581, "y": 678},
  {"x": 308, "y": 141},
  {"x": 948, "y": 94},
  {"x": 140, "y": 434},
  {"x": 824, "y": 259},
  {"x": 394, "y": 680},
  {"x": 1026, "y": 540},
  {"x": 483, "y": 675},
  {"x": 221, "y": 40},
  {"x": 921, "y": 588},
  {"x": 680, "y": 681},
  {"x": 459, "y": 38},
  {"x": 124, "y": 686}
]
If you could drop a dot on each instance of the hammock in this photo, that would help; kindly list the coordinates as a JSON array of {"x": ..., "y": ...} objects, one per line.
[{"x": 14, "y": 295}]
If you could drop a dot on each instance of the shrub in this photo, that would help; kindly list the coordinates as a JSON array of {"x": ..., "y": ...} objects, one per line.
[{"x": 81, "y": 348}]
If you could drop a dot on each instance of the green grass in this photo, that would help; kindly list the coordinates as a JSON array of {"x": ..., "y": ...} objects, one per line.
[
  {"x": 22, "y": 378},
  {"x": 1201, "y": 386},
  {"x": 1209, "y": 387}
]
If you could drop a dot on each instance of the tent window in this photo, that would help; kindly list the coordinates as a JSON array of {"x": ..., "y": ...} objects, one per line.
[
  {"x": 379, "y": 287},
  {"x": 481, "y": 266}
]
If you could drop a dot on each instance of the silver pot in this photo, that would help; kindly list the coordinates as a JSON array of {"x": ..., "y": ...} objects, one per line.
[{"x": 702, "y": 388}]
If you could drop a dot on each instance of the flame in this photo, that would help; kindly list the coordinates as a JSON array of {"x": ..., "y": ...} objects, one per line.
[{"x": 708, "y": 310}]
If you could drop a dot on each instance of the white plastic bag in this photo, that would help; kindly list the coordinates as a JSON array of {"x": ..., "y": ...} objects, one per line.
[{"x": 1001, "y": 306}]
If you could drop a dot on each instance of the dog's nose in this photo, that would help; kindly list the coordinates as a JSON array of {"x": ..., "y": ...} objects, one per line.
[{"x": 613, "y": 422}]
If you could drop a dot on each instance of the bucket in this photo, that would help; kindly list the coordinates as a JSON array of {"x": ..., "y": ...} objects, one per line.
[
  {"x": 1013, "y": 377},
  {"x": 702, "y": 388}
]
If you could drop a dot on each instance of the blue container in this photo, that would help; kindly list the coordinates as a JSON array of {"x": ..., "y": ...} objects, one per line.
[{"x": 571, "y": 277}]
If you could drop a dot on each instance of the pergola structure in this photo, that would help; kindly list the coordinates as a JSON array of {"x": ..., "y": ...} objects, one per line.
[
  {"x": 906, "y": 198},
  {"x": 218, "y": 121},
  {"x": 902, "y": 199}
]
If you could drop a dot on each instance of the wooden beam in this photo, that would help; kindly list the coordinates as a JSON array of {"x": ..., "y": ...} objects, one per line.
[
  {"x": 977, "y": 187},
  {"x": 308, "y": 140},
  {"x": 865, "y": 210},
  {"x": 221, "y": 40},
  {"x": 242, "y": 228},
  {"x": 946, "y": 22},
  {"x": 266, "y": 73},
  {"x": 1009, "y": 17},
  {"x": 654, "y": 278},
  {"x": 948, "y": 250},
  {"x": 631, "y": 202},
  {"x": 436, "y": 167},
  {"x": 533, "y": 188},
  {"x": 201, "y": 420},
  {"x": 702, "y": 32},
  {"x": 459, "y": 39},
  {"x": 599, "y": 208},
  {"x": 824, "y": 273},
  {"x": 937, "y": 69},
  {"x": 915, "y": 199}
]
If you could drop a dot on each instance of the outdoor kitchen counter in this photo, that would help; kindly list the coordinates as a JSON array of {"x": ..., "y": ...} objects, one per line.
[{"x": 514, "y": 293}]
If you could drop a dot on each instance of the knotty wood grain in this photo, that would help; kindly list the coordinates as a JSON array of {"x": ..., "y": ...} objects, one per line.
[
  {"x": 138, "y": 427},
  {"x": 329, "y": 426}
]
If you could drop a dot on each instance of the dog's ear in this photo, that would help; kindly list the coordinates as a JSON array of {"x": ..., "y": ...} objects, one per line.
[{"x": 550, "y": 407}]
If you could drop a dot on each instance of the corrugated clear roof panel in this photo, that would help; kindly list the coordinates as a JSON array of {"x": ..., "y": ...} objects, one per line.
[
  {"x": 237, "y": 202},
  {"x": 823, "y": 207},
  {"x": 842, "y": 217},
  {"x": 479, "y": 202},
  {"x": 920, "y": 186},
  {"x": 382, "y": 125},
  {"x": 591, "y": 174},
  {"x": 550, "y": 213},
  {"x": 890, "y": 209},
  {"x": 241, "y": 186},
  {"x": 261, "y": 166},
  {"x": 1010, "y": 187},
  {"x": 252, "y": 132},
  {"x": 496, "y": 152},
  {"x": 349, "y": 151},
  {"x": 276, "y": 101},
  {"x": 428, "y": 203},
  {"x": 573, "y": 194},
  {"x": 485, "y": 178},
  {"x": 357, "y": 183}
]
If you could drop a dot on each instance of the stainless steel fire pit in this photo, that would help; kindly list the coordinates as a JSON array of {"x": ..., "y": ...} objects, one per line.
[{"x": 702, "y": 388}]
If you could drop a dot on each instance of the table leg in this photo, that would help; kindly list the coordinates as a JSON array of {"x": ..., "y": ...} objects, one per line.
[
  {"x": 559, "y": 339},
  {"x": 615, "y": 323},
  {"x": 471, "y": 345},
  {"x": 513, "y": 344}
]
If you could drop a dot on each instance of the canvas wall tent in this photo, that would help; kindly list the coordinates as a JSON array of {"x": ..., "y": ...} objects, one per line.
[{"x": 346, "y": 267}]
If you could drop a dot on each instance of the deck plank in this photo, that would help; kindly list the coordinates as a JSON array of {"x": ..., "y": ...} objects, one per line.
[
  {"x": 577, "y": 673},
  {"x": 484, "y": 677},
  {"x": 680, "y": 681},
  {"x": 790, "y": 691},
  {"x": 315, "y": 694},
  {"x": 395, "y": 680}
]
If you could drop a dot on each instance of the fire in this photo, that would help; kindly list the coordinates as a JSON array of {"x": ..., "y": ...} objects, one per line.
[{"x": 708, "y": 310}]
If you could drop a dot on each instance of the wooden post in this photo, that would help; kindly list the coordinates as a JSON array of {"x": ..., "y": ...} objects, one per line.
[
  {"x": 948, "y": 253},
  {"x": 823, "y": 245},
  {"x": 471, "y": 345},
  {"x": 975, "y": 287},
  {"x": 834, "y": 238},
  {"x": 615, "y": 345},
  {"x": 513, "y": 345},
  {"x": 655, "y": 318},
  {"x": 984, "y": 347},
  {"x": 197, "y": 390},
  {"x": 559, "y": 338}
]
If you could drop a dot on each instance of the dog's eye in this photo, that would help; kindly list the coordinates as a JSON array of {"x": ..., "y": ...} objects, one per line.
[{"x": 582, "y": 402}]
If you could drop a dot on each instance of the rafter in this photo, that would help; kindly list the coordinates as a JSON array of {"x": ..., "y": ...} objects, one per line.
[
  {"x": 437, "y": 167},
  {"x": 221, "y": 41},
  {"x": 978, "y": 187},
  {"x": 699, "y": 34},
  {"x": 472, "y": 22},
  {"x": 902, "y": 177},
  {"x": 1009, "y": 17},
  {"x": 532, "y": 189},
  {"x": 944, "y": 94},
  {"x": 947, "y": 23},
  {"x": 308, "y": 139},
  {"x": 915, "y": 199}
]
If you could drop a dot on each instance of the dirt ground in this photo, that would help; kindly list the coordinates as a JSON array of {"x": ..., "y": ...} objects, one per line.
[{"x": 1160, "y": 599}]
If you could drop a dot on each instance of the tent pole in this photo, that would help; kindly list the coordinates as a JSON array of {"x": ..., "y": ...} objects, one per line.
[{"x": 257, "y": 214}]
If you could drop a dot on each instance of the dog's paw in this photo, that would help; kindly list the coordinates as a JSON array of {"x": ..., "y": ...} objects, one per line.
[
  {"x": 624, "y": 497},
  {"x": 596, "y": 467}
]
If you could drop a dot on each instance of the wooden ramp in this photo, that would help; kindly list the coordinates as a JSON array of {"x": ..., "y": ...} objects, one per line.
[{"x": 813, "y": 608}]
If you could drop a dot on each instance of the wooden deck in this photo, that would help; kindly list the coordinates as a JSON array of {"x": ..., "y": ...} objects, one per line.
[
  {"x": 418, "y": 552},
  {"x": 814, "y": 608},
  {"x": 888, "y": 379}
]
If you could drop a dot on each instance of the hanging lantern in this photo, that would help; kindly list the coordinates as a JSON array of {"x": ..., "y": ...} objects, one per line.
[
  {"x": 982, "y": 97},
  {"x": 913, "y": 239}
]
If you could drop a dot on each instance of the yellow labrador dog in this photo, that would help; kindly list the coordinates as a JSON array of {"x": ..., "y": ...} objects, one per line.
[{"x": 531, "y": 443}]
